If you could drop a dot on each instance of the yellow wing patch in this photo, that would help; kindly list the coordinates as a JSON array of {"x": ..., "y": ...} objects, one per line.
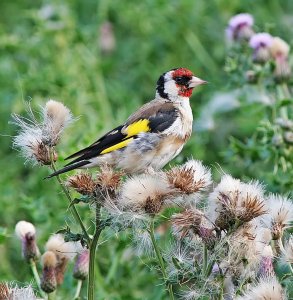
[
  {"x": 117, "y": 146},
  {"x": 137, "y": 127},
  {"x": 131, "y": 130}
]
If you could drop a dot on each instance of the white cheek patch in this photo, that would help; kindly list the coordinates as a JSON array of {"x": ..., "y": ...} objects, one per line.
[{"x": 170, "y": 88}]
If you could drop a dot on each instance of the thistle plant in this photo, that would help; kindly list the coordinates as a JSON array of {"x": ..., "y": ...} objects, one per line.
[
  {"x": 260, "y": 69},
  {"x": 225, "y": 239}
]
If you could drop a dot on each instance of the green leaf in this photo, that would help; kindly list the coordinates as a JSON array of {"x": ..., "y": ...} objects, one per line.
[
  {"x": 3, "y": 235},
  {"x": 285, "y": 102}
]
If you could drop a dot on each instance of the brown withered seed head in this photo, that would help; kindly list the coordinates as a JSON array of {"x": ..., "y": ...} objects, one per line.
[
  {"x": 190, "y": 219},
  {"x": 154, "y": 204},
  {"x": 190, "y": 177},
  {"x": 4, "y": 291},
  {"x": 42, "y": 153},
  {"x": 236, "y": 207},
  {"x": 183, "y": 180},
  {"x": 108, "y": 179},
  {"x": 83, "y": 183}
]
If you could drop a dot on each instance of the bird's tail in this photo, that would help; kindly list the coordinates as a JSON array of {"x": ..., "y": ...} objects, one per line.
[{"x": 69, "y": 168}]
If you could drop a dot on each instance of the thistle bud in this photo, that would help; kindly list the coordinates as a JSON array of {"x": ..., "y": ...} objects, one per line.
[
  {"x": 266, "y": 268},
  {"x": 81, "y": 267},
  {"x": 48, "y": 280},
  {"x": 288, "y": 137},
  {"x": 277, "y": 139},
  {"x": 107, "y": 41},
  {"x": 26, "y": 232},
  {"x": 280, "y": 51}
]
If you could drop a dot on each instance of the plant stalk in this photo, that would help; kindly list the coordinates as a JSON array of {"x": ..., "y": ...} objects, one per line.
[
  {"x": 78, "y": 289},
  {"x": 37, "y": 277},
  {"x": 93, "y": 247},
  {"x": 160, "y": 259},
  {"x": 205, "y": 259},
  {"x": 72, "y": 206}
]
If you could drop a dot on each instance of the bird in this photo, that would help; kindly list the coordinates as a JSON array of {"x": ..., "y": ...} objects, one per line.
[{"x": 151, "y": 136}]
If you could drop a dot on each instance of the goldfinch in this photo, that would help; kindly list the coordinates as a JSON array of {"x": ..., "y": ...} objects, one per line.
[{"x": 151, "y": 136}]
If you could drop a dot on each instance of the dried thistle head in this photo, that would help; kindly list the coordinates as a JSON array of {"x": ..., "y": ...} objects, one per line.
[
  {"x": 266, "y": 288},
  {"x": 35, "y": 139},
  {"x": 191, "y": 177},
  {"x": 245, "y": 249},
  {"x": 83, "y": 183},
  {"x": 13, "y": 292},
  {"x": 56, "y": 116},
  {"x": 189, "y": 219},
  {"x": 4, "y": 291},
  {"x": 144, "y": 193},
  {"x": 48, "y": 280},
  {"x": 280, "y": 215},
  {"x": 26, "y": 232},
  {"x": 32, "y": 147},
  {"x": 108, "y": 180},
  {"x": 235, "y": 202}
]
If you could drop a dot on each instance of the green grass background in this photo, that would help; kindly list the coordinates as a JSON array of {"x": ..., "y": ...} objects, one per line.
[{"x": 39, "y": 61}]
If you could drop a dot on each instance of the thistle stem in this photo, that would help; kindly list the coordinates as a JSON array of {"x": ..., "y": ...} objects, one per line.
[
  {"x": 160, "y": 259},
  {"x": 93, "y": 247},
  {"x": 72, "y": 206},
  {"x": 37, "y": 277},
  {"x": 52, "y": 296},
  {"x": 78, "y": 289},
  {"x": 205, "y": 259}
]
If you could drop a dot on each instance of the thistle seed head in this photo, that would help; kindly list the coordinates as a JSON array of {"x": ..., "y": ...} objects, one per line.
[
  {"x": 192, "y": 177},
  {"x": 266, "y": 288},
  {"x": 144, "y": 193},
  {"x": 280, "y": 215},
  {"x": 83, "y": 183},
  {"x": 56, "y": 116}
]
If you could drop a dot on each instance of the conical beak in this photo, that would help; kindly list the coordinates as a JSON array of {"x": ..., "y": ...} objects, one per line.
[{"x": 195, "y": 81}]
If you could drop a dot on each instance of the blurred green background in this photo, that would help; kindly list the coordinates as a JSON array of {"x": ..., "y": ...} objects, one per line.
[{"x": 56, "y": 49}]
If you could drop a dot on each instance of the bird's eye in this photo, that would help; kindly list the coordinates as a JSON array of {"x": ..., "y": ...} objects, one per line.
[
  {"x": 179, "y": 80},
  {"x": 182, "y": 80}
]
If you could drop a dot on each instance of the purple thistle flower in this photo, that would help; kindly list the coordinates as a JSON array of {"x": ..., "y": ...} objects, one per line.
[
  {"x": 260, "y": 40},
  {"x": 240, "y": 27}
]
